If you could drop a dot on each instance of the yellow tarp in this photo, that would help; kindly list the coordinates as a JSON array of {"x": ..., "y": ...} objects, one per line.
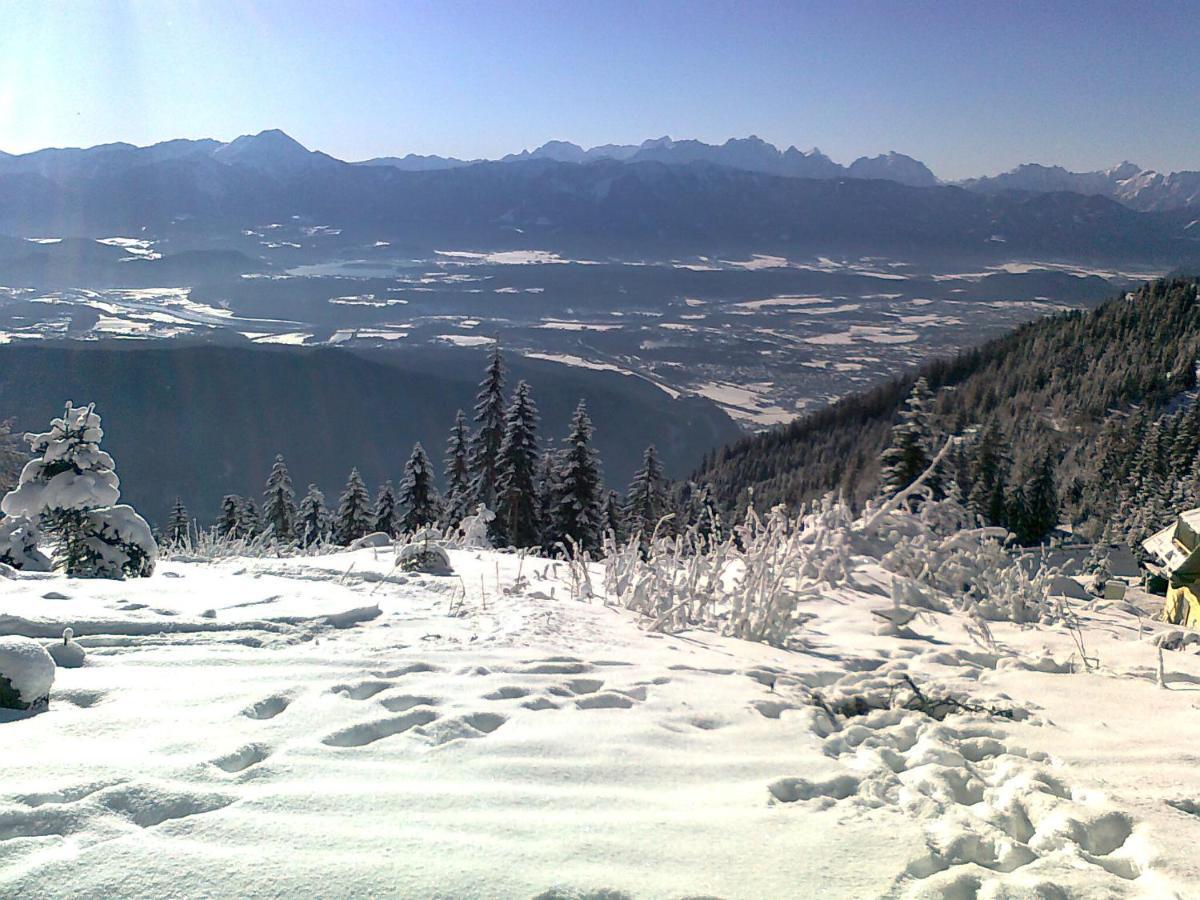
[{"x": 1183, "y": 606}]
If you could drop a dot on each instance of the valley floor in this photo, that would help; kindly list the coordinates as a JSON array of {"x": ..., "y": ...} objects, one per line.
[{"x": 328, "y": 727}]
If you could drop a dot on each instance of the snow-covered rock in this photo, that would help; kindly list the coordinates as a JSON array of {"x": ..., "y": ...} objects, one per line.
[
  {"x": 26, "y": 673},
  {"x": 67, "y": 654},
  {"x": 374, "y": 539}
]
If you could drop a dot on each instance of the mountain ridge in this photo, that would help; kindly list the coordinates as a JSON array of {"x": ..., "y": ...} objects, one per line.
[{"x": 273, "y": 151}]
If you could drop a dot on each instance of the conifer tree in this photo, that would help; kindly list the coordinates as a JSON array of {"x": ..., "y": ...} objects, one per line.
[
  {"x": 516, "y": 468},
  {"x": 227, "y": 522},
  {"x": 312, "y": 518},
  {"x": 1033, "y": 510},
  {"x": 544, "y": 485},
  {"x": 485, "y": 443},
  {"x": 612, "y": 517},
  {"x": 989, "y": 473},
  {"x": 249, "y": 522},
  {"x": 353, "y": 517},
  {"x": 279, "y": 502},
  {"x": 70, "y": 490},
  {"x": 384, "y": 513},
  {"x": 646, "y": 499},
  {"x": 418, "y": 496},
  {"x": 908, "y": 455},
  {"x": 457, "y": 473},
  {"x": 178, "y": 529},
  {"x": 706, "y": 518},
  {"x": 576, "y": 490}
]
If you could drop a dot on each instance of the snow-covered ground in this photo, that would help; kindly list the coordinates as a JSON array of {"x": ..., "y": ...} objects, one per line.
[{"x": 326, "y": 726}]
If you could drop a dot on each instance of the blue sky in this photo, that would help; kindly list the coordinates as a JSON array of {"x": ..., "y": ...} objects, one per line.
[{"x": 969, "y": 88}]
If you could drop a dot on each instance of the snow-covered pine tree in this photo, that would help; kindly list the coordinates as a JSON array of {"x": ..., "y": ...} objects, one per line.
[
  {"x": 249, "y": 521},
  {"x": 577, "y": 492},
  {"x": 516, "y": 522},
  {"x": 312, "y": 519},
  {"x": 458, "y": 502},
  {"x": 485, "y": 443},
  {"x": 227, "y": 521},
  {"x": 353, "y": 517},
  {"x": 70, "y": 489},
  {"x": 178, "y": 529},
  {"x": 279, "y": 502},
  {"x": 384, "y": 513},
  {"x": 418, "y": 495},
  {"x": 612, "y": 517},
  {"x": 706, "y": 517},
  {"x": 909, "y": 453},
  {"x": 646, "y": 499}
]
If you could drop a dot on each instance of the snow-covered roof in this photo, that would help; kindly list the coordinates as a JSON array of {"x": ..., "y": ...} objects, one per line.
[{"x": 1177, "y": 546}]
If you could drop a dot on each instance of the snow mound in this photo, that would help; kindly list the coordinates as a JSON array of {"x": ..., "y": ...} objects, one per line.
[
  {"x": 66, "y": 653},
  {"x": 29, "y": 671},
  {"x": 374, "y": 539}
]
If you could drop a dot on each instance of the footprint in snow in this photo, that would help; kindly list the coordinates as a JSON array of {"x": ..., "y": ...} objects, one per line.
[
  {"x": 362, "y": 690},
  {"x": 268, "y": 708},
  {"x": 369, "y": 732},
  {"x": 242, "y": 758},
  {"x": 990, "y": 805}
]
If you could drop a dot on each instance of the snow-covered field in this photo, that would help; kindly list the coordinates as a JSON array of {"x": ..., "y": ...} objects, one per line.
[{"x": 326, "y": 726}]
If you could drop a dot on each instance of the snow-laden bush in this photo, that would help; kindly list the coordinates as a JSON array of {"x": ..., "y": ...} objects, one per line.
[
  {"x": 754, "y": 584},
  {"x": 749, "y": 585},
  {"x": 70, "y": 488},
  {"x": 424, "y": 551},
  {"x": 26, "y": 674},
  {"x": 472, "y": 532},
  {"x": 214, "y": 544}
]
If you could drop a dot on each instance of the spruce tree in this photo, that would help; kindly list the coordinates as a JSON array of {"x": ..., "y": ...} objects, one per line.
[
  {"x": 353, "y": 517},
  {"x": 646, "y": 499},
  {"x": 418, "y": 496},
  {"x": 989, "y": 473},
  {"x": 516, "y": 468},
  {"x": 457, "y": 473},
  {"x": 279, "y": 502},
  {"x": 227, "y": 522},
  {"x": 1033, "y": 507},
  {"x": 908, "y": 455},
  {"x": 485, "y": 444},
  {"x": 312, "y": 518},
  {"x": 249, "y": 522},
  {"x": 178, "y": 530},
  {"x": 612, "y": 517},
  {"x": 576, "y": 490},
  {"x": 384, "y": 513}
]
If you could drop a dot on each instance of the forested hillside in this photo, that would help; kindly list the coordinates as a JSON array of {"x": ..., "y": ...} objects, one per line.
[{"x": 1100, "y": 398}]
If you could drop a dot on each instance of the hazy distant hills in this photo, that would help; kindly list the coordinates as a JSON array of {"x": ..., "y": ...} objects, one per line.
[{"x": 663, "y": 197}]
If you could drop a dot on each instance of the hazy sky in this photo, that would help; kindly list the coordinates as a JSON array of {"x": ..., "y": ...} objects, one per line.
[{"x": 969, "y": 88}]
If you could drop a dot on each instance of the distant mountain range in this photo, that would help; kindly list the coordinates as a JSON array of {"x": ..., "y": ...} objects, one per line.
[
  {"x": 276, "y": 152},
  {"x": 751, "y": 154},
  {"x": 665, "y": 197},
  {"x": 1127, "y": 183}
]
